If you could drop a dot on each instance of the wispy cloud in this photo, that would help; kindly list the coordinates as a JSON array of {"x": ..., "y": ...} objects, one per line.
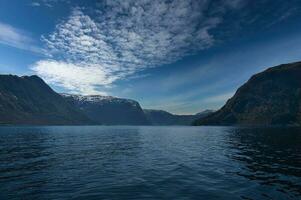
[
  {"x": 35, "y": 4},
  {"x": 17, "y": 38},
  {"x": 47, "y": 3},
  {"x": 121, "y": 38}
]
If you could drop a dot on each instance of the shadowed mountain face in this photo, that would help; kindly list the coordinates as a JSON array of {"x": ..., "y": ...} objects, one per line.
[
  {"x": 109, "y": 110},
  {"x": 272, "y": 97},
  {"x": 29, "y": 100},
  {"x": 161, "y": 117}
]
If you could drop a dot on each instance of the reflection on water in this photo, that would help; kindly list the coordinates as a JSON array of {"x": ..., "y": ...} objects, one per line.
[{"x": 150, "y": 163}]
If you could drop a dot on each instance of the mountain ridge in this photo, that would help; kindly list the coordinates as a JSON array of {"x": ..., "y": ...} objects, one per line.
[
  {"x": 108, "y": 110},
  {"x": 271, "y": 97}
]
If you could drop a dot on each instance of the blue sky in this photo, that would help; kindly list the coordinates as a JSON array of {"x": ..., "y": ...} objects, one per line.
[{"x": 180, "y": 56}]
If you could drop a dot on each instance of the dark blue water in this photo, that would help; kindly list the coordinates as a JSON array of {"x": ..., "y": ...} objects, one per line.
[{"x": 150, "y": 163}]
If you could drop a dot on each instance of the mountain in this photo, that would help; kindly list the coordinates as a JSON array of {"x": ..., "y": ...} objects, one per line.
[
  {"x": 29, "y": 100},
  {"x": 272, "y": 97},
  {"x": 161, "y": 117},
  {"x": 109, "y": 110}
]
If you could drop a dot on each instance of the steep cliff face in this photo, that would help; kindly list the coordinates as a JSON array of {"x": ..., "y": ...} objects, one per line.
[
  {"x": 109, "y": 110},
  {"x": 29, "y": 100},
  {"x": 272, "y": 97}
]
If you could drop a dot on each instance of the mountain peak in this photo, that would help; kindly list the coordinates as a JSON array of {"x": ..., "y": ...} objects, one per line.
[{"x": 109, "y": 110}]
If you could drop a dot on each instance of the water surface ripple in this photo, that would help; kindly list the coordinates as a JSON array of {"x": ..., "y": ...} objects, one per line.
[{"x": 99, "y": 162}]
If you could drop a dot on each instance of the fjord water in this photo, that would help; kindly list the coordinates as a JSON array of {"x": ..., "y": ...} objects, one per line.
[{"x": 99, "y": 162}]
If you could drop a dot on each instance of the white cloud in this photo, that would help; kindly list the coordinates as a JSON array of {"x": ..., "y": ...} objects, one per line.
[
  {"x": 73, "y": 77},
  {"x": 125, "y": 37},
  {"x": 17, "y": 38}
]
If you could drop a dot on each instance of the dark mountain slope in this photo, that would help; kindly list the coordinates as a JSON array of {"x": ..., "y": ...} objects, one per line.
[
  {"x": 109, "y": 110},
  {"x": 29, "y": 100},
  {"x": 161, "y": 117},
  {"x": 272, "y": 97}
]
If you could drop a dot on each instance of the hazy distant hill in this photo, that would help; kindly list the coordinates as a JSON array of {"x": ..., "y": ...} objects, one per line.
[
  {"x": 29, "y": 100},
  {"x": 109, "y": 110},
  {"x": 161, "y": 117},
  {"x": 272, "y": 97}
]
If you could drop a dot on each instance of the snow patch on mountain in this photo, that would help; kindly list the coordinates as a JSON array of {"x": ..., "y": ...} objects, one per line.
[{"x": 99, "y": 99}]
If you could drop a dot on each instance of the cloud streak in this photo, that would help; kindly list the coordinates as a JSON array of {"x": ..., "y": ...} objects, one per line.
[
  {"x": 121, "y": 38},
  {"x": 17, "y": 38},
  {"x": 48, "y": 3}
]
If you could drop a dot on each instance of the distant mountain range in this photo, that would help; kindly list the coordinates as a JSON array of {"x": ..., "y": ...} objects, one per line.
[
  {"x": 272, "y": 97},
  {"x": 28, "y": 100},
  {"x": 161, "y": 117},
  {"x": 109, "y": 110}
]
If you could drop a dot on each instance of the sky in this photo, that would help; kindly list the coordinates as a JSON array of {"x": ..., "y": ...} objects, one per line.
[{"x": 175, "y": 55}]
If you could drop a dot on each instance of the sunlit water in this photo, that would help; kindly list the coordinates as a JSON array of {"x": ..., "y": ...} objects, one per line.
[{"x": 150, "y": 163}]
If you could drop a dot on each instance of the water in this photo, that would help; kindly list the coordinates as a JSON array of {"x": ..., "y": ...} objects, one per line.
[{"x": 150, "y": 163}]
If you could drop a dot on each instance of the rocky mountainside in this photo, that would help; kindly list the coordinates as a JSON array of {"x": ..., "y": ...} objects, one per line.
[
  {"x": 29, "y": 100},
  {"x": 109, "y": 110},
  {"x": 161, "y": 117},
  {"x": 272, "y": 97}
]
